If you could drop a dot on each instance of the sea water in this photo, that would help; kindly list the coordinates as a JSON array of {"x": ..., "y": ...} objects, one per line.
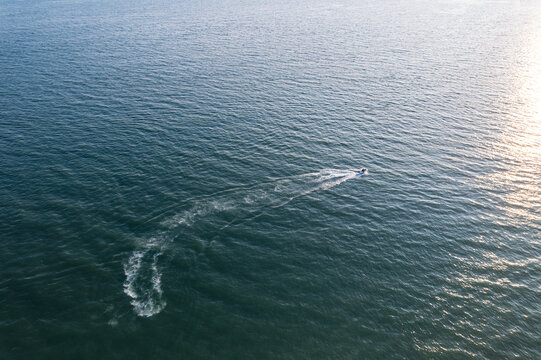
[{"x": 178, "y": 179}]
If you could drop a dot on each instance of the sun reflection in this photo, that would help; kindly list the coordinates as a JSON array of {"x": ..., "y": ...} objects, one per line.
[{"x": 519, "y": 144}]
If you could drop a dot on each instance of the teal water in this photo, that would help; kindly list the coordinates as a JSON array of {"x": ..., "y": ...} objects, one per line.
[{"x": 177, "y": 179}]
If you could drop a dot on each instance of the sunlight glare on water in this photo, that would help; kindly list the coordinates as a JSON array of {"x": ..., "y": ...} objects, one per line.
[{"x": 520, "y": 140}]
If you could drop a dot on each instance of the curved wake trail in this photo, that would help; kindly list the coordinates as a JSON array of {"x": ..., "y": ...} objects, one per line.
[
  {"x": 143, "y": 278},
  {"x": 143, "y": 282}
]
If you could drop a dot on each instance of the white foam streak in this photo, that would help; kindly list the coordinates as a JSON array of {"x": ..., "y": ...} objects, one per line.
[
  {"x": 144, "y": 286},
  {"x": 130, "y": 270}
]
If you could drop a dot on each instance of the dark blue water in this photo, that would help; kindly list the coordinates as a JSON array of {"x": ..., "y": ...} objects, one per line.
[{"x": 177, "y": 180}]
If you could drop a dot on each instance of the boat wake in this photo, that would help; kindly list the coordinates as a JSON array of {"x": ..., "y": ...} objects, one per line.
[
  {"x": 223, "y": 210},
  {"x": 143, "y": 282}
]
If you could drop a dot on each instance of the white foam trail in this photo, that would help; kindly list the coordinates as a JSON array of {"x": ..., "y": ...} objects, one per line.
[
  {"x": 130, "y": 270},
  {"x": 156, "y": 276},
  {"x": 143, "y": 277},
  {"x": 143, "y": 282},
  {"x": 322, "y": 180}
]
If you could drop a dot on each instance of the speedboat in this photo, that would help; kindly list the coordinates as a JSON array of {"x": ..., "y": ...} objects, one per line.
[{"x": 361, "y": 172}]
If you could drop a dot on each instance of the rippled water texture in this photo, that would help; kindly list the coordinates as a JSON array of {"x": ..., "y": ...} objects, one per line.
[{"x": 179, "y": 179}]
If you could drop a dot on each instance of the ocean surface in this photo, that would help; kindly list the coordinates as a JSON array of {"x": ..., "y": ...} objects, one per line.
[{"x": 177, "y": 179}]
